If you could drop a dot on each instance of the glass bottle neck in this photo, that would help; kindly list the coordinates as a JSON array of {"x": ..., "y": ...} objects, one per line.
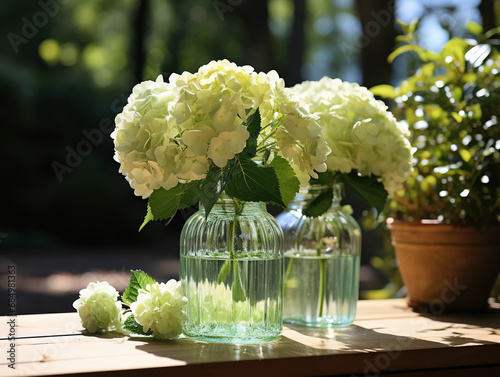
[
  {"x": 309, "y": 193},
  {"x": 226, "y": 205}
]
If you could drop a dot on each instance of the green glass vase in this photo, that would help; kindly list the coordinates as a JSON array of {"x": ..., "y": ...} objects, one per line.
[
  {"x": 322, "y": 261},
  {"x": 232, "y": 270}
]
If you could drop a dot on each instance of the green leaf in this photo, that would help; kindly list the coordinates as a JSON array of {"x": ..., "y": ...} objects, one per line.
[
  {"x": 253, "y": 183},
  {"x": 490, "y": 33},
  {"x": 238, "y": 294},
  {"x": 457, "y": 117},
  {"x": 289, "y": 183},
  {"x": 385, "y": 91},
  {"x": 236, "y": 289},
  {"x": 191, "y": 195},
  {"x": 408, "y": 28},
  {"x": 131, "y": 325},
  {"x": 398, "y": 51},
  {"x": 224, "y": 272},
  {"x": 367, "y": 189},
  {"x": 214, "y": 184},
  {"x": 149, "y": 217},
  {"x": 475, "y": 28},
  {"x": 324, "y": 179},
  {"x": 412, "y": 27},
  {"x": 320, "y": 204},
  {"x": 266, "y": 155},
  {"x": 139, "y": 279},
  {"x": 456, "y": 48},
  {"x": 403, "y": 38},
  {"x": 253, "y": 127},
  {"x": 163, "y": 204}
]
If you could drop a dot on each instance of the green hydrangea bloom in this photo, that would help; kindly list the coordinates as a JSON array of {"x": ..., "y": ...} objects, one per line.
[
  {"x": 169, "y": 132},
  {"x": 361, "y": 133},
  {"x": 161, "y": 308},
  {"x": 99, "y": 308}
]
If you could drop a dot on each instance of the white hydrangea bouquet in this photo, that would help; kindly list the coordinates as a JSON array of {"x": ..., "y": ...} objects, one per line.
[
  {"x": 156, "y": 309},
  {"x": 371, "y": 157},
  {"x": 224, "y": 128},
  {"x": 370, "y": 150}
]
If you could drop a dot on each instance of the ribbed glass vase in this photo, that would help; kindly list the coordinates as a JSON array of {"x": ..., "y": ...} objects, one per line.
[
  {"x": 322, "y": 260},
  {"x": 232, "y": 270}
]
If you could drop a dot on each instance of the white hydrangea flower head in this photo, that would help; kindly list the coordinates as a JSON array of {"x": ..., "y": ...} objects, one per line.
[
  {"x": 169, "y": 132},
  {"x": 161, "y": 308},
  {"x": 219, "y": 97},
  {"x": 143, "y": 138},
  {"x": 299, "y": 138},
  {"x": 362, "y": 134},
  {"x": 99, "y": 308}
]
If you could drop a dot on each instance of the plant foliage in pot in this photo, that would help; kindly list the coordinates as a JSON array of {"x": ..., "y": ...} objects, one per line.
[{"x": 445, "y": 221}]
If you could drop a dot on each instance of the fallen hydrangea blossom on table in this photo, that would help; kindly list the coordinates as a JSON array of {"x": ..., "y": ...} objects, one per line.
[
  {"x": 160, "y": 308},
  {"x": 157, "y": 309},
  {"x": 99, "y": 308}
]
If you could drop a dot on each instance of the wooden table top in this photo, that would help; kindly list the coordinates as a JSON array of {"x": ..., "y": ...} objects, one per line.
[{"x": 386, "y": 337}]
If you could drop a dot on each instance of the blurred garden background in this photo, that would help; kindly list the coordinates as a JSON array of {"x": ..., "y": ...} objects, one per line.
[{"x": 67, "y": 68}]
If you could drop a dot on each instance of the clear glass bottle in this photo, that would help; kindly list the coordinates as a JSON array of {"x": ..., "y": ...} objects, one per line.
[
  {"x": 322, "y": 260},
  {"x": 232, "y": 270}
]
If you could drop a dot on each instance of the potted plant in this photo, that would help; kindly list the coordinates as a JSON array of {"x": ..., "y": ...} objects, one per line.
[{"x": 445, "y": 221}]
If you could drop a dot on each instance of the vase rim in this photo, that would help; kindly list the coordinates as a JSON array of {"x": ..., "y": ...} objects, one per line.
[{"x": 390, "y": 222}]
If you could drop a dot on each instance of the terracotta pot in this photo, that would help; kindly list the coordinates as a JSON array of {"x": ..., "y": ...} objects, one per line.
[{"x": 445, "y": 267}]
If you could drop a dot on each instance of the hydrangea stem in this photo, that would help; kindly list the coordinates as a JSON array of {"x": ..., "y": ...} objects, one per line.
[
  {"x": 237, "y": 290},
  {"x": 287, "y": 274},
  {"x": 322, "y": 266},
  {"x": 322, "y": 286},
  {"x": 289, "y": 267}
]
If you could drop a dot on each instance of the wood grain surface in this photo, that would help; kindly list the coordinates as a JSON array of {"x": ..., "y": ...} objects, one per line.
[{"x": 387, "y": 337}]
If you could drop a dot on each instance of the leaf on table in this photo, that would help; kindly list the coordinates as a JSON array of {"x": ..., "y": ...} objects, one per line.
[
  {"x": 138, "y": 280},
  {"x": 131, "y": 325}
]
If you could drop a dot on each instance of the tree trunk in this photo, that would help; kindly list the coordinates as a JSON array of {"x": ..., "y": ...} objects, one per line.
[
  {"x": 377, "y": 41},
  {"x": 487, "y": 9},
  {"x": 138, "y": 50},
  {"x": 258, "y": 49},
  {"x": 296, "y": 44}
]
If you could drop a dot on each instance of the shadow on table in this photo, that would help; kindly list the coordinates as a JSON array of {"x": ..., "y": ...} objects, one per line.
[
  {"x": 485, "y": 323},
  {"x": 488, "y": 318},
  {"x": 296, "y": 341}
]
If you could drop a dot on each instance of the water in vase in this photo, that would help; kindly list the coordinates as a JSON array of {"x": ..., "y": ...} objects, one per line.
[
  {"x": 321, "y": 290},
  {"x": 233, "y": 300}
]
